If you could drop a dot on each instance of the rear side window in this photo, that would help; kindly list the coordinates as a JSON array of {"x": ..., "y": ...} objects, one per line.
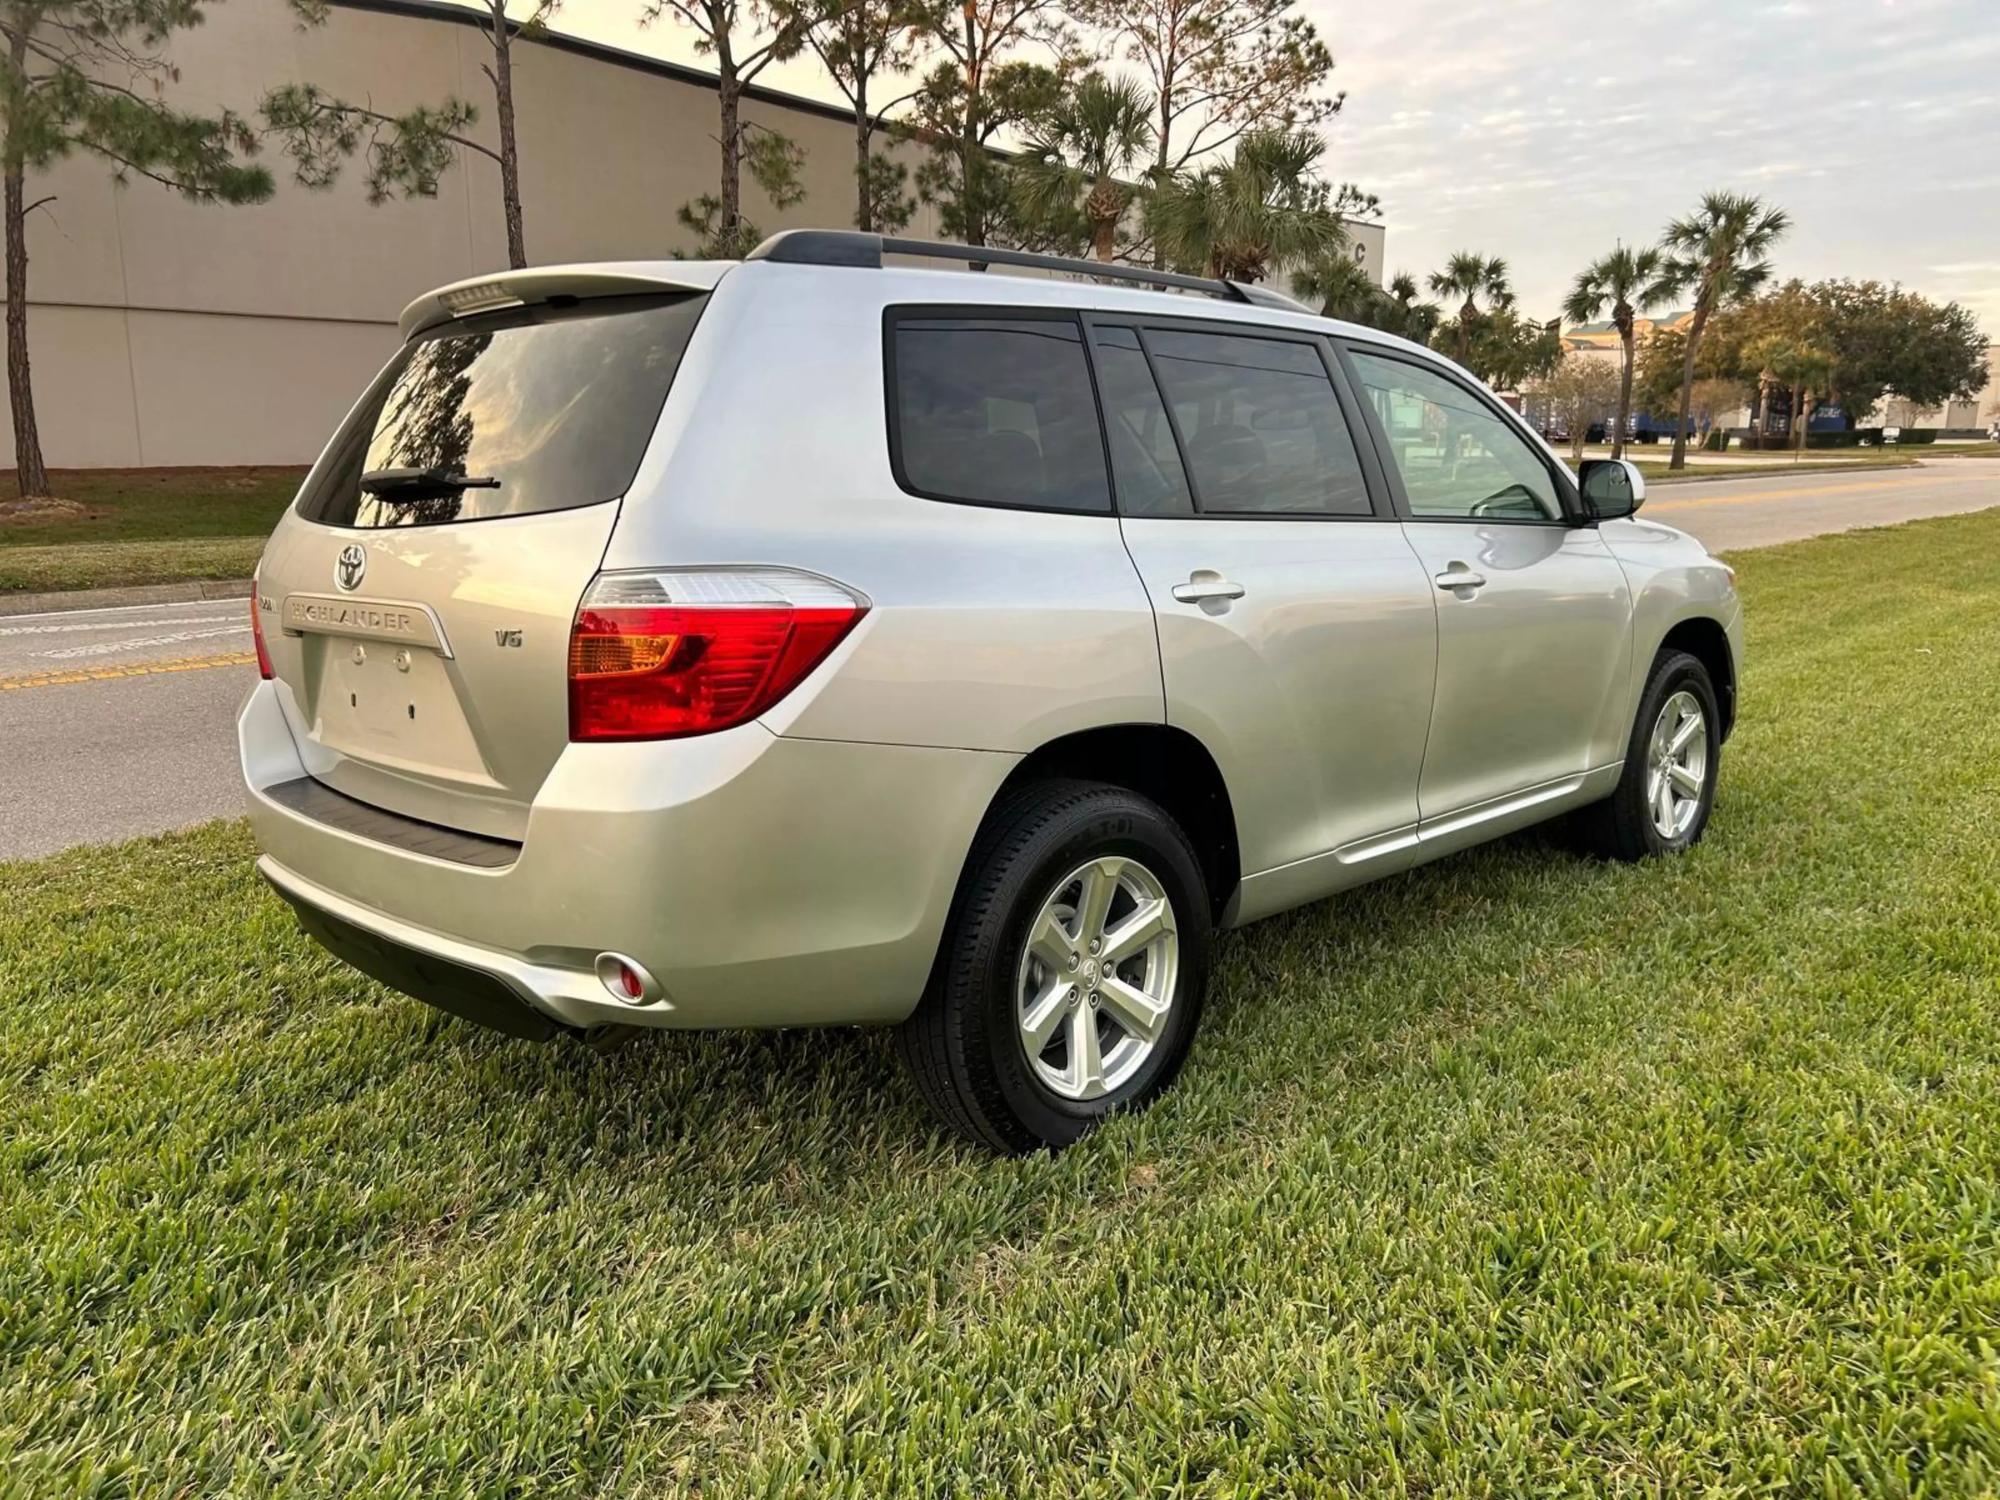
[
  {"x": 995, "y": 411},
  {"x": 1260, "y": 425},
  {"x": 1144, "y": 457},
  {"x": 539, "y": 408}
]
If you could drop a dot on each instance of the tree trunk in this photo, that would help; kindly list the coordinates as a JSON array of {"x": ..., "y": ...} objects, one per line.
[
  {"x": 1103, "y": 207},
  {"x": 972, "y": 189},
  {"x": 730, "y": 97},
  {"x": 1679, "y": 459},
  {"x": 1624, "y": 398},
  {"x": 510, "y": 155},
  {"x": 864, "y": 139},
  {"x": 1160, "y": 161},
  {"x": 1801, "y": 415},
  {"x": 31, "y": 472}
]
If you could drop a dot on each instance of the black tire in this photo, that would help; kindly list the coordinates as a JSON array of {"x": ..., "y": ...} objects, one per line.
[
  {"x": 963, "y": 1044},
  {"x": 1620, "y": 827}
]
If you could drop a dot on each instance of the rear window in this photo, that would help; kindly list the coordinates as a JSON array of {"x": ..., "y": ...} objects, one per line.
[
  {"x": 996, "y": 411},
  {"x": 538, "y": 409}
]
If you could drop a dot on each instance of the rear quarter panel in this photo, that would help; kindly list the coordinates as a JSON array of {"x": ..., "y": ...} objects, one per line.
[{"x": 988, "y": 629}]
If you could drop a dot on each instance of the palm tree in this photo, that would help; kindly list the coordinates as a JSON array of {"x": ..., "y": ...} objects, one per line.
[
  {"x": 1630, "y": 281},
  {"x": 1341, "y": 287},
  {"x": 1718, "y": 251},
  {"x": 1472, "y": 276},
  {"x": 1413, "y": 319},
  {"x": 1095, "y": 133},
  {"x": 1262, "y": 208},
  {"x": 1799, "y": 361}
]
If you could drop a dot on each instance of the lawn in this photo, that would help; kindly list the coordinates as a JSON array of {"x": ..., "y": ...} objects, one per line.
[
  {"x": 145, "y": 526},
  {"x": 1517, "y": 1175}
]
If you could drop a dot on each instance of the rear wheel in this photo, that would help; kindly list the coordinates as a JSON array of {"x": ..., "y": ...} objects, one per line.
[
  {"x": 1070, "y": 979},
  {"x": 1667, "y": 790}
]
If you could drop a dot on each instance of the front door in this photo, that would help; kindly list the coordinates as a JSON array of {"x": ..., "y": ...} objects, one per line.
[
  {"x": 1298, "y": 638},
  {"x": 1534, "y": 613}
]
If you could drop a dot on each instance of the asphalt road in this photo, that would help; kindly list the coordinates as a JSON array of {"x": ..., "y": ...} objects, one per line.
[
  {"x": 119, "y": 722},
  {"x": 1766, "y": 509},
  {"x": 115, "y": 723}
]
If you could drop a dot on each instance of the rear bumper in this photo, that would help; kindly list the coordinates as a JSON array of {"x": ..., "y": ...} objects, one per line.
[{"x": 761, "y": 881}]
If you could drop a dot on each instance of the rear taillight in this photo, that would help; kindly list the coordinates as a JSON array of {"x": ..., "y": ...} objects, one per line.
[
  {"x": 257, "y": 634},
  {"x": 653, "y": 656}
]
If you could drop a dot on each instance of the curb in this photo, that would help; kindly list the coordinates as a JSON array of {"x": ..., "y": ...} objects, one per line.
[{"x": 56, "y": 600}]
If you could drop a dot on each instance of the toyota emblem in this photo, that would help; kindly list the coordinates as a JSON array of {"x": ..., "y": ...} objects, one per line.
[{"x": 349, "y": 566}]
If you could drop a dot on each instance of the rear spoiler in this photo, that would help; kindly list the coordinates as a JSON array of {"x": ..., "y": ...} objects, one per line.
[{"x": 479, "y": 294}]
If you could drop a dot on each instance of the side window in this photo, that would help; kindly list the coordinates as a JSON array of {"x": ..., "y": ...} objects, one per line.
[
  {"x": 1456, "y": 456},
  {"x": 1261, "y": 427},
  {"x": 997, "y": 411},
  {"x": 1145, "y": 460}
]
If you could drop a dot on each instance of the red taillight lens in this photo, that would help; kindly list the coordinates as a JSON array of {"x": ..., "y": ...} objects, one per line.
[
  {"x": 658, "y": 655},
  {"x": 257, "y": 635}
]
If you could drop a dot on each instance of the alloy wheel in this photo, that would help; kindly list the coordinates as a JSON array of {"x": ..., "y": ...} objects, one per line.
[
  {"x": 1096, "y": 977},
  {"x": 1677, "y": 765}
]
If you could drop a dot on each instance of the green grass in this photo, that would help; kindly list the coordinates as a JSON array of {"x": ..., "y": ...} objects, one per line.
[
  {"x": 1517, "y": 1175},
  {"x": 85, "y": 565},
  {"x": 146, "y": 526}
]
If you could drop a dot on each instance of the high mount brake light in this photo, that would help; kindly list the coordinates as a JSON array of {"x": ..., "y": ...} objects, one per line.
[
  {"x": 257, "y": 634},
  {"x": 659, "y": 655}
]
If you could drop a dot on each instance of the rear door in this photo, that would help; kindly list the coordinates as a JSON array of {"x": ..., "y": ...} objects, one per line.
[
  {"x": 1534, "y": 613},
  {"x": 1297, "y": 634},
  {"x": 418, "y": 599}
]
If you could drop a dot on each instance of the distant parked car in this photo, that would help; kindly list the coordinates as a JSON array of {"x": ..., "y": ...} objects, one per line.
[{"x": 806, "y": 641}]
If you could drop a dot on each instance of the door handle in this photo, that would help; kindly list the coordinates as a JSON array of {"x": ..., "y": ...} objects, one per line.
[
  {"x": 1207, "y": 585},
  {"x": 1459, "y": 576}
]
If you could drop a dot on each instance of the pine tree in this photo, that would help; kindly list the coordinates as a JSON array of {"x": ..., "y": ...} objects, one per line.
[
  {"x": 86, "y": 76},
  {"x": 407, "y": 153}
]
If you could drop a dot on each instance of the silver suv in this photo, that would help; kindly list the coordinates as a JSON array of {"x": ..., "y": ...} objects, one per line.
[{"x": 814, "y": 640}]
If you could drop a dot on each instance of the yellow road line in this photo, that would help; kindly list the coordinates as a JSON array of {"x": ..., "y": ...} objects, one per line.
[
  {"x": 134, "y": 669},
  {"x": 1809, "y": 494}
]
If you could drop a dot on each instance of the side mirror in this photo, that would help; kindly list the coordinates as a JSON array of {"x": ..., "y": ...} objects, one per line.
[{"x": 1612, "y": 487}]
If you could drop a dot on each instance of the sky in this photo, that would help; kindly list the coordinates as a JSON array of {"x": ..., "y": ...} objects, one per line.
[{"x": 1546, "y": 131}]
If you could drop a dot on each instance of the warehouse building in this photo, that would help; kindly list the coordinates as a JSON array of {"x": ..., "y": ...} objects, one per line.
[{"x": 166, "y": 332}]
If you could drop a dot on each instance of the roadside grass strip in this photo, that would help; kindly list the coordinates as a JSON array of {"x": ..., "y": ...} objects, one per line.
[{"x": 1517, "y": 1175}]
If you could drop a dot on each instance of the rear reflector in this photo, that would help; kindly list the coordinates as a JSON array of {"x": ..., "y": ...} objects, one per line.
[
  {"x": 659, "y": 655},
  {"x": 257, "y": 634}
]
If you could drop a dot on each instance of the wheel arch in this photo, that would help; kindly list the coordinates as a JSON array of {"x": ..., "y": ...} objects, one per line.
[
  {"x": 1162, "y": 763},
  {"x": 1708, "y": 643}
]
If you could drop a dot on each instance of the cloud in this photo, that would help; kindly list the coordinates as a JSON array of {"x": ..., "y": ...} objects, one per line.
[{"x": 1586, "y": 123}]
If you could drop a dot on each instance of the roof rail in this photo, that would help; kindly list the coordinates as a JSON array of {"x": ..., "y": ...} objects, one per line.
[{"x": 853, "y": 247}]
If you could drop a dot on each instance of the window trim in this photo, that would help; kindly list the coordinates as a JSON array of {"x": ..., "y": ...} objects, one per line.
[
  {"x": 1567, "y": 498},
  {"x": 1090, "y": 329},
  {"x": 918, "y": 312},
  {"x": 1380, "y": 500}
]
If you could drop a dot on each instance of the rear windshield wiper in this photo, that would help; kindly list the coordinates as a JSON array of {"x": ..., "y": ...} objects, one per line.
[{"x": 423, "y": 481}]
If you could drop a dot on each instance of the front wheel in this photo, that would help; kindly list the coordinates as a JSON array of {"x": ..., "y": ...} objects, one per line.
[
  {"x": 1071, "y": 974},
  {"x": 1667, "y": 789}
]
